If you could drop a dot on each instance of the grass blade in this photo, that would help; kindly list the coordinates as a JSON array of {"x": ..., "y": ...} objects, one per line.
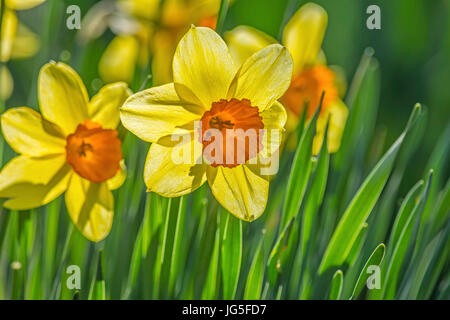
[
  {"x": 375, "y": 259},
  {"x": 255, "y": 276},
  {"x": 336, "y": 285},
  {"x": 300, "y": 172},
  {"x": 231, "y": 258},
  {"x": 402, "y": 245},
  {"x": 97, "y": 291},
  {"x": 362, "y": 204}
]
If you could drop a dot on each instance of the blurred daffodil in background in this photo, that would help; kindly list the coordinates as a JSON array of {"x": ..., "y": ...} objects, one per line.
[
  {"x": 16, "y": 41},
  {"x": 209, "y": 87},
  {"x": 72, "y": 147},
  {"x": 303, "y": 36},
  {"x": 146, "y": 30}
]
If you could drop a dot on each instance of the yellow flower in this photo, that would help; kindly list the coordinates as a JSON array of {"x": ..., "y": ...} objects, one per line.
[
  {"x": 210, "y": 89},
  {"x": 73, "y": 148},
  {"x": 303, "y": 37},
  {"x": 16, "y": 41},
  {"x": 156, "y": 31}
]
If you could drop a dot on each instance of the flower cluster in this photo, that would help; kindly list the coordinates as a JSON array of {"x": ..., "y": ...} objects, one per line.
[{"x": 219, "y": 114}]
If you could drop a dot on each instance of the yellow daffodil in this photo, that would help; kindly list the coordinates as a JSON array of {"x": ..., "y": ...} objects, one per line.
[
  {"x": 209, "y": 89},
  {"x": 156, "y": 29},
  {"x": 303, "y": 37},
  {"x": 17, "y": 41},
  {"x": 72, "y": 147}
]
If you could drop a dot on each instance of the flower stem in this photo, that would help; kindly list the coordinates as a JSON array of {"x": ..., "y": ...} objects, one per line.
[{"x": 222, "y": 16}]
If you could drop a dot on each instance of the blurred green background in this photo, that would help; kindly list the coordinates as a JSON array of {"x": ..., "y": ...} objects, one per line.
[{"x": 413, "y": 48}]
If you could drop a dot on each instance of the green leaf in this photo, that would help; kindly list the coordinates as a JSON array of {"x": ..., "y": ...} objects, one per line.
[
  {"x": 375, "y": 259},
  {"x": 175, "y": 266},
  {"x": 356, "y": 248},
  {"x": 403, "y": 243},
  {"x": 404, "y": 213},
  {"x": 315, "y": 195},
  {"x": 231, "y": 255},
  {"x": 222, "y": 16},
  {"x": 300, "y": 172},
  {"x": 362, "y": 204},
  {"x": 97, "y": 291},
  {"x": 274, "y": 265},
  {"x": 430, "y": 258},
  {"x": 210, "y": 288},
  {"x": 336, "y": 285},
  {"x": 255, "y": 276}
]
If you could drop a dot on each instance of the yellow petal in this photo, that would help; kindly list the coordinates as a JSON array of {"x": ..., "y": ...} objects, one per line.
[
  {"x": 117, "y": 181},
  {"x": 6, "y": 83},
  {"x": 147, "y": 9},
  {"x": 8, "y": 33},
  {"x": 264, "y": 77},
  {"x": 62, "y": 96},
  {"x": 337, "y": 114},
  {"x": 157, "y": 112},
  {"x": 91, "y": 207},
  {"x": 119, "y": 59},
  {"x": 30, "y": 182},
  {"x": 25, "y": 44},
  {"x": 203, "y": 64},
  {"x": 23, "y": 4},
  {"x": 274, "y": 119},
  {"x": 244, "y": 41},
  {"x": 303, "y": 35},
  {"x": 239, "y": 190},
  {"x": 168, "y": 174},
  {"x": 104, "y": 106},
  {"x": 27, "y": 133}
]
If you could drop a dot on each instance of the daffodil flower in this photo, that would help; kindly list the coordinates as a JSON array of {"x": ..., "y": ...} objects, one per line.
[
  {"x": 72, "y": 147},
  {"x": 155, "y": 30},
  {"x": 210, "y": 89},
  {"x": 16, "y": 41},
  {"x": 303, "y": 36}
]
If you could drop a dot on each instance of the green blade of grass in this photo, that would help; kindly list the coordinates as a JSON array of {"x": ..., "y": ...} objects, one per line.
[
  {"x": 403, "y": 243},
  {"x": 404, "y": 213},
  {"x": 255, "y": 276},
  {"x": 231, "y": 258},
  {"x": 375, "y": 259},
  {"x": 210, "y": 289},
  {"x": 175, "y": 265},
  {"x": 336, "y": 285},
  {"x": 98, "y": 291},
  {"x": 441, "y": 210},
  {"x": 274, "y": 265},
  {"x": 433, "y": 252},
  {"x": 222, "y": 16},
  {"x": 300, "y": 172},
  {"x": 362, "y": 204},
  {"x": 315, "y": 195},
  {"x": 356, "y": 248}
]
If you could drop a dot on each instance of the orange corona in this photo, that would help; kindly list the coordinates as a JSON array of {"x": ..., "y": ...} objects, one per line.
[
  {"x": 307, "y": 87},
  {"x": 228, "y": 116},
  {"x": 93, "y": 152}
]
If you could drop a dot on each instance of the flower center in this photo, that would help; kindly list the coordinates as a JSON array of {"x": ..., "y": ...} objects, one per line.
[
  {"x": 307, "y": 87},
  {"x": 93, "y": 152},
  {"x": 209, "y": 21},
  {"x": 231, "y": 133}
]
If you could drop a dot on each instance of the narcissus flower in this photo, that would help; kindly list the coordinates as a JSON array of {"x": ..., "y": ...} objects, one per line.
[
  {"x": 149, "y": 27},
  {"x": 72, "y": 147},
  {"x": 303, "y": 37},
  {"x": 16, "y": 41},
  {"x": 210, "y": 90}
]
